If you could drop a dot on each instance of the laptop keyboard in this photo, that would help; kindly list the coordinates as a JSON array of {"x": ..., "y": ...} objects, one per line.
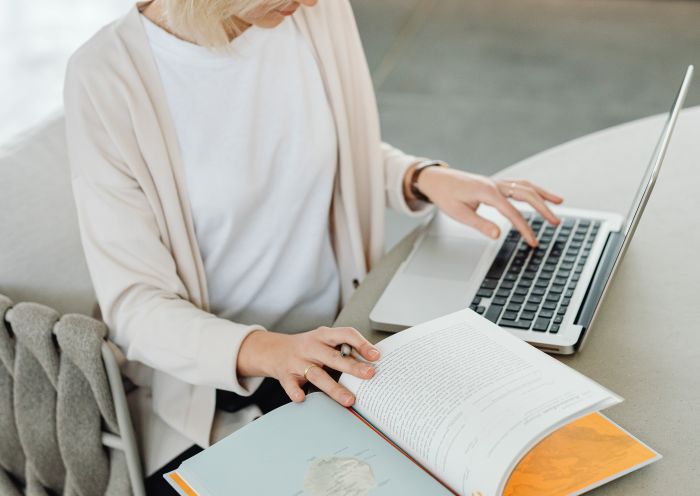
[{"x": 530, "y": 288}]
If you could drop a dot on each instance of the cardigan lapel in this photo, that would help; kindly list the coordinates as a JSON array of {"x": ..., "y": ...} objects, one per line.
[
  {"x": 348, "y": 239},
  {"x": 168, "y": 164}
]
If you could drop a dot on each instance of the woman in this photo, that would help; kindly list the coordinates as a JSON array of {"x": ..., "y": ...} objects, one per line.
[{"x": 231, "y": 183}]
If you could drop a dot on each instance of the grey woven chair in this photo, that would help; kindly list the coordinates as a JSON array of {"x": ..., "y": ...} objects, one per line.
[
  {"x": 41, "y": 260},
  {"x": 65, "y": 421}
]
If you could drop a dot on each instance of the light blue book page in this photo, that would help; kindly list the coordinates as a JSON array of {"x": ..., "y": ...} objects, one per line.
[{"x": 315, "y": 448}]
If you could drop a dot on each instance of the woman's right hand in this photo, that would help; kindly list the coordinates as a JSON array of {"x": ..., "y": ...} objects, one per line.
[{"x": 286, "y": 357}]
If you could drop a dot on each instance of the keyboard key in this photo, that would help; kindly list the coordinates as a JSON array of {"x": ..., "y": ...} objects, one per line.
[
  {"x": 550, "y": 305},
  {"x": 534, "y": 299},
  {"x": 476, "y": 300},
  {"x": 503, "y": 293},
  {"x": 527, "y": 316},
  {"x": 531, "y": 307},
  {"x": 553, "y": 297},
  {"x": 499, "y": 300},
  {"x": 554, "y": 329},
  {"x": 501, "y": 261},
  {"x": 538, "y": 291},
  {"x": 510, "y": 315},
  {"x": 516, "y": 299},
  {"x": 561, "y": 311},
  {"x": 513, "y": 307},
  {"x": 489, "y": 283},
  {"x": 567, "y": 222},
  {"x": 493, "y": 312},
  {"x": 521, "y": 290},
  {"x": 480, "y": 310},
  {"x": 507, "y": 285},
  {"x": 546, "y": 314},
  {"x": 541, "y": 325},
  {"x": 516, "y": 324},
  {"x": 558, "y": 319},
  {"x": 484, "y": 293}
]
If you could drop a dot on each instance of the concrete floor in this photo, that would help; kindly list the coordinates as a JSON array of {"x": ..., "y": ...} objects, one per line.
[
  {"x": 483, "y": 83},
  {"x": 479, "y": 83}
]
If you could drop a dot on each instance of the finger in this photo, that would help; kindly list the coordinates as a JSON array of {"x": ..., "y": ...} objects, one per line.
[
  {"x": 292, "y": 388},
  {"x": 466, "y": 215},
  {"x": 335, "y": 336},
  {"x": 551, "y": 197},
  {"x": 514, "y": 216},
  {"x": 320, "y": 378},
  {"x": 332, "y": 358},
  {"x": 529, "y": 195}
]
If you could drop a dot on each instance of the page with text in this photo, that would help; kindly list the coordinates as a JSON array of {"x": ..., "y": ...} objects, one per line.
[{"x": 467, "y": 399}]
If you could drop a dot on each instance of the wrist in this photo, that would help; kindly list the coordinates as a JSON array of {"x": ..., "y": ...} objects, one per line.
[
  {"x": 254, "y": 354},
  {"x": 418, "y": 177}
]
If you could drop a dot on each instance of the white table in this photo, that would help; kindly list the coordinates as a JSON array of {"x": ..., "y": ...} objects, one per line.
[{"x": 645, "y": 344}]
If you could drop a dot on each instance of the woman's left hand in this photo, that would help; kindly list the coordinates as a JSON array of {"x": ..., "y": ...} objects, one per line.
[{"x": 459, "y": 194}]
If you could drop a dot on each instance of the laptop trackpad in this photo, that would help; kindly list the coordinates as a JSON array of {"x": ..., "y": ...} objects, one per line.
[{"x": 447, "y": 257}]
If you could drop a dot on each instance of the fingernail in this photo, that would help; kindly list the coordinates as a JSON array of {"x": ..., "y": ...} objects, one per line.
[
  {"x": 494, "y": 233},
  {"x": 346, "y": 399},
  {"x": 373, "y": 354},
  {"x": 369, "y": 371}
]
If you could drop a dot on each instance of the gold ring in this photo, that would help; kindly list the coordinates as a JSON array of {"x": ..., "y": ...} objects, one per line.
[
  {"x": 510, "y": 191},
  {"x": 306, "y": 370}
]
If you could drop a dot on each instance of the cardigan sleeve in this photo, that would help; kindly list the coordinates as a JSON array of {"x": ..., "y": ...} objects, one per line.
[
  {"x": 142, "y": 298},
  {"x": 396, "y": 163}
]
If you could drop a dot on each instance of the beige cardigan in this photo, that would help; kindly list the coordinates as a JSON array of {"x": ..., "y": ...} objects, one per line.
[{"x": 136, "y": 225}]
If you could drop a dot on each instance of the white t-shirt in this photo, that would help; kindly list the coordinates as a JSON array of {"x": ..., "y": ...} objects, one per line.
[{"x": 259, "y": 146}]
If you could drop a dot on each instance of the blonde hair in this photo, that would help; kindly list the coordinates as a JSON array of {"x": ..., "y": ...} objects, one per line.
[{"x": 209, "y": 22}]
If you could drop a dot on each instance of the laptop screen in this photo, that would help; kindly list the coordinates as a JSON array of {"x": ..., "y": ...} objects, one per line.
[{"x": 652, "y": 171}]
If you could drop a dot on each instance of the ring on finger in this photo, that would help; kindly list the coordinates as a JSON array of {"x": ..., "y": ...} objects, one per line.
[
  {"x": 306, "y": 370},
  {"x": 511, "y": 190}
]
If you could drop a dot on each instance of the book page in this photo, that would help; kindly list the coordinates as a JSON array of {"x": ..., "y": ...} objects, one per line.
[
  {"x": 466, "y": 399},
  {"x": 314, "y": 448}
]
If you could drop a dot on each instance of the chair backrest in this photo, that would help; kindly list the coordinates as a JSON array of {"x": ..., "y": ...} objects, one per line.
[
  {"x": 41, "y": 258},
  {"x": 60, "y": 388}
]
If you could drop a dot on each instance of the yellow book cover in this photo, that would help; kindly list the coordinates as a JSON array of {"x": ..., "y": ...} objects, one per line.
[{"x": 578, "y": 457}]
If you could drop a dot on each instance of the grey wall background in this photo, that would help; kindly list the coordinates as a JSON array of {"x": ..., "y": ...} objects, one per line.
[{"x": 485, "y": 83}]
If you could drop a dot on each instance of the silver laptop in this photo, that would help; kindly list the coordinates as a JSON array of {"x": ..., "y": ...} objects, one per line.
[{"x": 548, "y": 296}]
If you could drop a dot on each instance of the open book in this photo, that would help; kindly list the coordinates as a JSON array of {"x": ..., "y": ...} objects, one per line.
[{"x": 456, "y": 404}]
